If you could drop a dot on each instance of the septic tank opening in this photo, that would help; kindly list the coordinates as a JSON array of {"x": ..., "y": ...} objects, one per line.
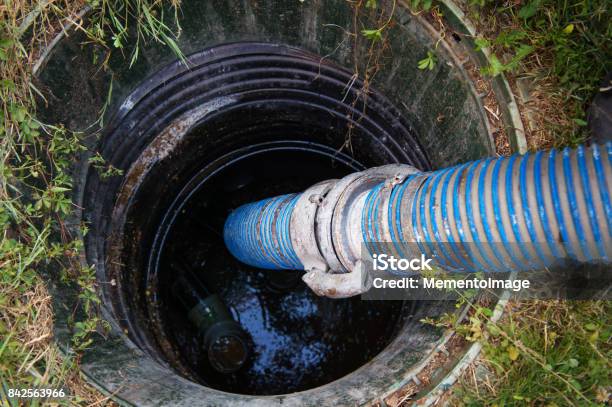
[
  {"x": 267, "y": 120},
  {"x": 298, "y": 340}
]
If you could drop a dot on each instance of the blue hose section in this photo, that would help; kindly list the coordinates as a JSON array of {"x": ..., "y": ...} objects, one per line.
[
  {"x": 415, "y": 229},
  {"x": 542, "y": 212},
  {"x": 569, "y": 185},
  {"x": 475, "y": 239},
  {"x": 258, "y": 234},
  {"x": 552, "y": 177},
  {"x": 486, "y": 224},
  {"x": 526, "y": 211},
  {"x": 369, "y": 220},
  {"x": 525, "y": 228},
  {"x": 512, "y": 213},
  {"x": 499, "y": 224},
  {"x": 588, "y": 199},
  {"x": 458, "y": 222},
  {"x": 420, "y": 232},
  {"x": 448, "y": 260},
  {"x": 395, "y": 227},
  {"x": 499, "y": 214},
  {"x": 601, "y": 182}
]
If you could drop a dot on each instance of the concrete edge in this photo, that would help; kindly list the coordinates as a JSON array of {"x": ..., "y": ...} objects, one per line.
[{"x": 503, "y": 92}]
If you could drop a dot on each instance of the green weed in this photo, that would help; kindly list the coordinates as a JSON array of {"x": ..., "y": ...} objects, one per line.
[
  {"x": 35, "y": 186},
  {"x": 429, "y": 62},
  {"x": 113, "y": 20},
  {"x": 566, "y": 42},
  {"x": 549, "y": 353}
]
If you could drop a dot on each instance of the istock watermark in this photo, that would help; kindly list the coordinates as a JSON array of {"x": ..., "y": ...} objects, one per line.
[
  {"x": 447, "y": 271},
  {"x": 384, "y": 262}
]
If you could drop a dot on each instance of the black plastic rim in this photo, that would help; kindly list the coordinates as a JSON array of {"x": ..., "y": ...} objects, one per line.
[{"x": 255, "y": 96}]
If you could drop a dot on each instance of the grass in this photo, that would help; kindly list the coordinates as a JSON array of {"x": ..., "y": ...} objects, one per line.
[
  {"x": 35, "y": 190},
  {"x": 549, "y": 353},
  {"x": 562, "y": 47},
  {"x": 33, "y": 199}
]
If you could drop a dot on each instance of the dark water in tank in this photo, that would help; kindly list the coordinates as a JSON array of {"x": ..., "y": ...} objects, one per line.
[{"x": 298, "y": 340}]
